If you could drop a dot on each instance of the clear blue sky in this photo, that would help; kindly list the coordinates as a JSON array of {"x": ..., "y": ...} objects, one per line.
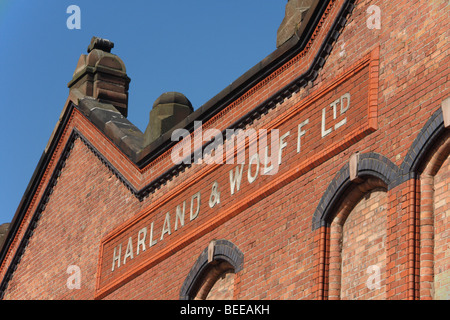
[{"x": 196, "y": 47}]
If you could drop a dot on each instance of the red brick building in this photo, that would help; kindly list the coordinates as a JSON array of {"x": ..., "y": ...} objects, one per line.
[{"x": 346, "y": 197}]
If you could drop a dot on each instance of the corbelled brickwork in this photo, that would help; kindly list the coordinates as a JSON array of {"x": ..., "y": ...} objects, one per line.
[{"x": 361, "y": 190}]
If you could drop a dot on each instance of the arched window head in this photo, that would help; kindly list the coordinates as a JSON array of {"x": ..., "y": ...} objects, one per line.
[
  {"x": 357, "y": 242},
  {"x": 213, "y": 274},
  {"x": 216, "y": 283}
]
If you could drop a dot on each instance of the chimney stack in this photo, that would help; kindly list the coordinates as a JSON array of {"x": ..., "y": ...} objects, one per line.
[{"x": 102, "y": 75}]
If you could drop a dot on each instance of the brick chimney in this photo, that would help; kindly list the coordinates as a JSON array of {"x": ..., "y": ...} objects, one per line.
[
  {"x": 295, "y": 12},
  {"x": 102, "y": 75}
]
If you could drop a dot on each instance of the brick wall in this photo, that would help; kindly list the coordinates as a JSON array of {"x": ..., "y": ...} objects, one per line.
[
  {"x": 82, "y": 207},
  {"x": 364, "y": 249},
  {"x": 441, "y": 233},
  {"x": 223, "y": 288},
  {"x": 285, "y": 258}
]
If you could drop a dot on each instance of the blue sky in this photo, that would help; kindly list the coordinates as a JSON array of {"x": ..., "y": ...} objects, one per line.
[{"x": 196, "y": 47}]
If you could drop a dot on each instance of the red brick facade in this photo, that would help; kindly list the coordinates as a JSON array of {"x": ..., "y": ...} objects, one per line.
[{"x": 358, "y": 208}]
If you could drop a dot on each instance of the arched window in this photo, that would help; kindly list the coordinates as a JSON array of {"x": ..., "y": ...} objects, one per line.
[
  {"x": 213, "y": 275},
  {"x": 353, "y": 215},
  {"x": 428, "y": 161},
  {"x": 216, "y": 282},
  {"x": 416, "y": 226},
  {"x": 434, "y": 208},
  {"x": 357, "y": 265}
]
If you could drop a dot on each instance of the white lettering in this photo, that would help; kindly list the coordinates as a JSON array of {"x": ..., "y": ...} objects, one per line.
[
  {"x": 227, "y": 309},
  {"x": 166, "y": 226},
  {"x": 242, "y": 309},
  {"x": 235, "y": 181},
  {"x": 214, "y": 198},
  {"x": 195, "y": 214},
  {"x": 180, "y": 215},
  {"x": 344, "y": 102},
  {"x": 325, "y": 132},
  {"x": 301, "y": 133},
  {"x": 345, "y": 96},
  {"x": 116, "y": 257},
  {"x": 141, "y": 239},
  {"x": 129, "y": 252},
  {"x": 343, "y": 109},
  {"x": 278, "y": 144},
  {"x": 192, "y": 310},
  {"x": 283, "y": 145},
  {"x": 152, "y": 242},
  {"x": 254, "y": 158}
]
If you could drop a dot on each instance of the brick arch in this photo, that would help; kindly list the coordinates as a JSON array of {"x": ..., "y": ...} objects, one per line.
[
  {"x": 433, "y": 203},
  {"x": 419, "y": 151},
  {"x": 360, "y": 176},
  {"x": 368, "y": 165},
  {"x": 425, "y": 157},
  {"x": 358, "y": 199},
  {"x": 220, "y": 257}
]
